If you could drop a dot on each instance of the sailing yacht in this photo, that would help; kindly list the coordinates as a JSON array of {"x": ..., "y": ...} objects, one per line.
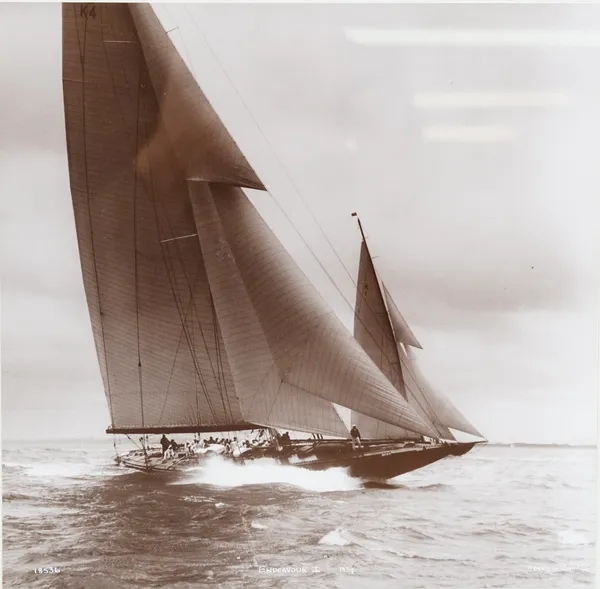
[{"x": 202, "y": 321}]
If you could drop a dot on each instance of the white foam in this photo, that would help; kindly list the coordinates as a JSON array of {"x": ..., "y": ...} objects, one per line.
[
  {"x": 224, "y": 473},
  {"x": 343, "y": 537},
  {"x": 338, "y": 537},
  {"x": 258, "y": 526}
]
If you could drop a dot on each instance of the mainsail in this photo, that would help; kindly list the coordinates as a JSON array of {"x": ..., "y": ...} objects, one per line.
[{"x": 201, "y": 318}]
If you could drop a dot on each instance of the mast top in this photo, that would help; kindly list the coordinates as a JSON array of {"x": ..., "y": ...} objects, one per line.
[{"x": 360, "y": 227}]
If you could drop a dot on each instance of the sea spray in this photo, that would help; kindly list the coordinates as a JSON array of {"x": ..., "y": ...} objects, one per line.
[{"x": 223, "y": 473}]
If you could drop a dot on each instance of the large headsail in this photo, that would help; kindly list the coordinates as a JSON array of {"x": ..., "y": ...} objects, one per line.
[
  {"x": 373, "y": 330},
  {"x": 200, "y": 316}
]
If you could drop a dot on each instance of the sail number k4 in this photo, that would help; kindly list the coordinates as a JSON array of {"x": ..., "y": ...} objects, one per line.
[{"x": 87, "y": 11}]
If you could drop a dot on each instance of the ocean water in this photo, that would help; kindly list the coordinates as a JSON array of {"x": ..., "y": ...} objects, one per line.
[{"x": 514, "y": 517}]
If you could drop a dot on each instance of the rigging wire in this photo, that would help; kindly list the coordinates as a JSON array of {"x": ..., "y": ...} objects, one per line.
[
  {"x": 298, "y": 192},
  {"x": 135, "y": 233}
]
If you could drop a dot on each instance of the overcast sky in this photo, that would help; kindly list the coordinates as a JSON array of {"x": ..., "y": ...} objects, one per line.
[{"x": 466, "y": 137}]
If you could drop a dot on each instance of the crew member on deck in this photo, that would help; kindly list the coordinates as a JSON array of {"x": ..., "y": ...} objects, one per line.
[
  {"x": 356, "y": 443},
  {"x": 235, "y": 448},
  {"x": 164, "y": 442},
  {"x": 285, "y": 439},
  {"x": 173, "y": 447}
]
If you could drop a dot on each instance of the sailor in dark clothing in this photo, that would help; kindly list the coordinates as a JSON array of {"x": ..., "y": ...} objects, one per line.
[
  {"x": 211, "y": 440},
  {"x": 355, "y": 437},
  {"x": 285, "y": 439},
  {"x": 278, "y": 442},
  {"x": 164, "y": 442}
]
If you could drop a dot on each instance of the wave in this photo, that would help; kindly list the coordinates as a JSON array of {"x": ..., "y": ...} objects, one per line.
[
  {"x": 504, "y": 529},
  {"x": 258, "y": 526},
  {"x": 337, "y": 537},
  {"x": 416, "y": 534},
  {"x": 344, "y": 537},
  {"x": 66, "y": 470},
  {"x": 16, "y": 497},
  {"x": 417, "y": 487},
  {"x": 222, "y": 473},
  {"x": 431, "y": 487},
  {"x": 12, "y": 466}
]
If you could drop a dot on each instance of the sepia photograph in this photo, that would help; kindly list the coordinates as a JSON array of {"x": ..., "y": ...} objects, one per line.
[{"x": 299, "y": 295}]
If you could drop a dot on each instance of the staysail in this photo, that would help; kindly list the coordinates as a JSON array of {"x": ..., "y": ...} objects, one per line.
[
  {"x": 441, "y": 407},
  {"x": 201, "y": 318},
  {"x": 373, "y": 332},
  {"x": 382, "y": 331},
  {"x": 402, "y": 331}
]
